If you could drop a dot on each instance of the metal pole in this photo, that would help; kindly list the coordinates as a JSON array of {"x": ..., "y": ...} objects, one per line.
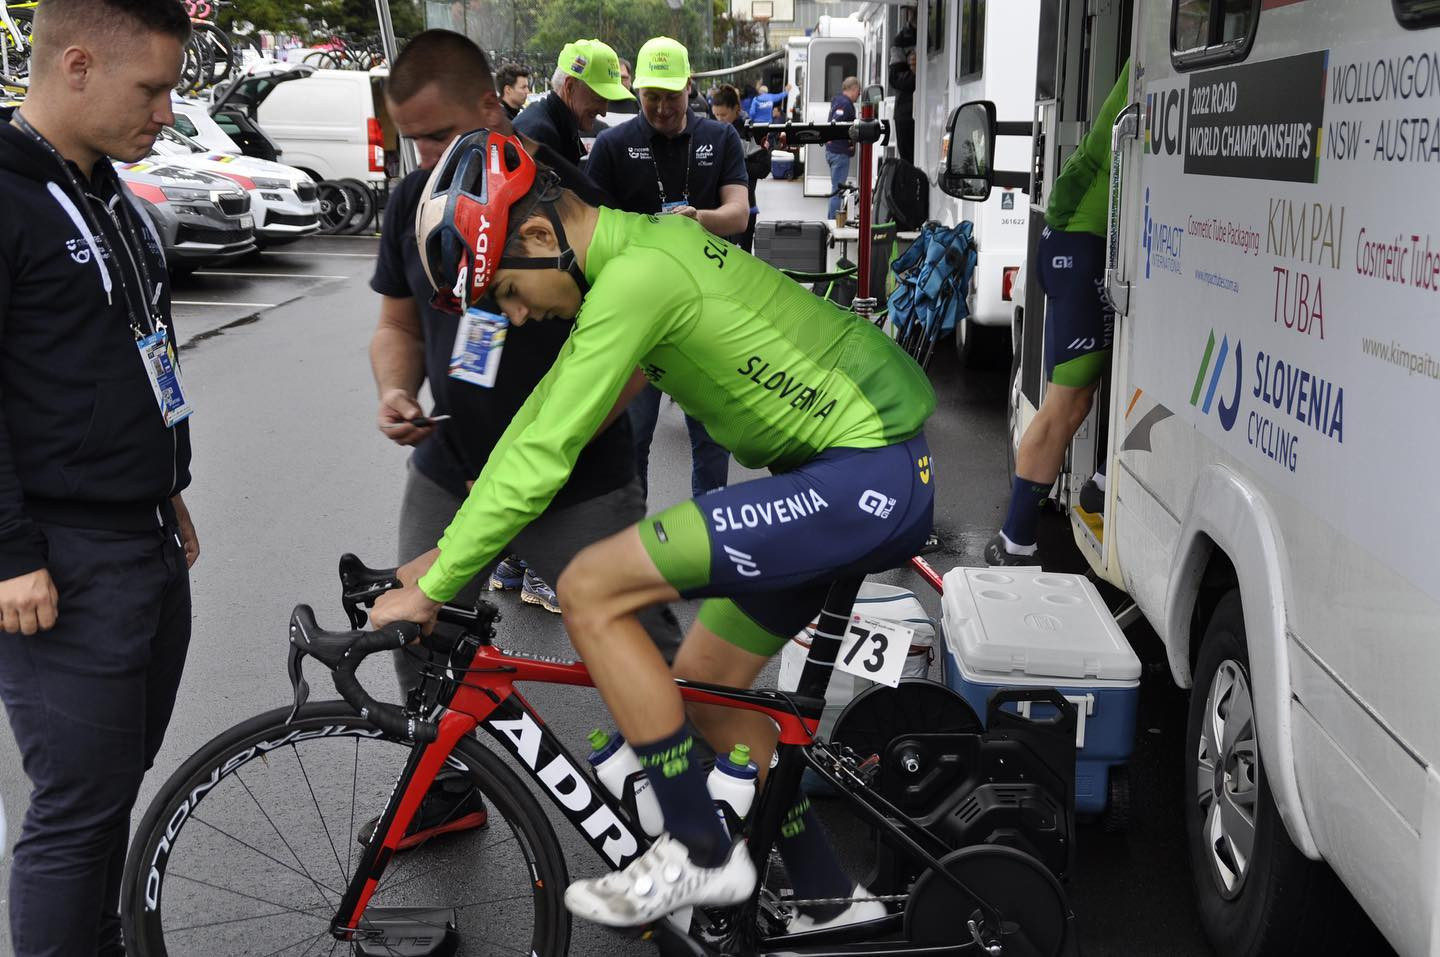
[
  {"x": 867, "y": 112},
  {"x": 409, "y": 162}
]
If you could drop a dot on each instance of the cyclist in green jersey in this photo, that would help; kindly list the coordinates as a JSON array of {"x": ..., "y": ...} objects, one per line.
[
  {"x": 785, "y": 380},
  {"x": 1079, "y": 327}
]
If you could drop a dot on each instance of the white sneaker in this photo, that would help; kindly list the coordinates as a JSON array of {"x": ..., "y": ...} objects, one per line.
[
  {"x": 856, "y": 913},
  {"x": 661, "y": 880}
]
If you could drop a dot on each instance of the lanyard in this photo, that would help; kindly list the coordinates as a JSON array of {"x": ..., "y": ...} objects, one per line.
[
  {"x": 123, "y": 217},
  {"x": 660, "y": 183}
]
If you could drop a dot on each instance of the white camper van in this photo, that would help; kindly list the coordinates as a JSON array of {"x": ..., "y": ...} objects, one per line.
[
  {"x": 970, "y": 50},
  {"x": 832, "y": 53},
  {"x": 1275, "y": 264}
]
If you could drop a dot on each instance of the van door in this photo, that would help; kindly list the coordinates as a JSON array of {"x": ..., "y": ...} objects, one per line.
[{"x": 830, "y": 61}]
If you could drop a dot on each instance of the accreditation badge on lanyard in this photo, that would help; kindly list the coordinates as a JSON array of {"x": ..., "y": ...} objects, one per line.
[
  {"x": 158, "y": 355},
  {"x": 478, "y": 344}
]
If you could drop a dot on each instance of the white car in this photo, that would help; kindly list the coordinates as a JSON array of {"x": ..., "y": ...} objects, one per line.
[{"x": 285, "y": 200}]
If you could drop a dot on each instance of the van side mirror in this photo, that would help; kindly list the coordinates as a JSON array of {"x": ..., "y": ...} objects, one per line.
[
  {"x": 875, "y": 93},
  {"x": 969, "y": 171},
  {"x": 969, "y": 167}
]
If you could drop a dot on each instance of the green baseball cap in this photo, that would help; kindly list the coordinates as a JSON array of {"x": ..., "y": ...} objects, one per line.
[
  {"x": 596, "y": 65},
  {"x": 662, "y": 64}
]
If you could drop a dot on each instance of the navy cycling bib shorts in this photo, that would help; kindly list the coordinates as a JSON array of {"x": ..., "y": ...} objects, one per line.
[
  {"x": 1079, "y": 320},
  {"x": 765, "y": 552}
]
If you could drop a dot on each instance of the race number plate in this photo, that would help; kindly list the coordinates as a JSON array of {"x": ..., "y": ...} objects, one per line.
[{"x": 875, "y": 649}]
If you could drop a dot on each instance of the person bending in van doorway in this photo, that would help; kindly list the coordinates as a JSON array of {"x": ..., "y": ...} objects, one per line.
[
  {"x": 902, "y": 84},
  {"x": 586, "y": 80},
  {"x": 669, "y": 159},
  {"x": 95, "y": 539},
  {"x": 725, "y": 104},
  {"x": 430, "y": 94},
  {"x": 513, "y": 85},
  {"x": 1079, "y": 326},
  {"x": 838, "y": 152}
]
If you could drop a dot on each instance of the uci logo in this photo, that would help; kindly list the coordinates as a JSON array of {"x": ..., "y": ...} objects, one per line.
[
  {"x": 1203, "y": 395},
  {"x": 876, "y": 503},
  {"x": 1165, "y": 122},
  {"x": 78, "y": 250}
]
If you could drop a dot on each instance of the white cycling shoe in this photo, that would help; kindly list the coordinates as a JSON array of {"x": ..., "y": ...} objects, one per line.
[
  {"x": 660, "y": 881},
  {"x": 855, "y": 913}
]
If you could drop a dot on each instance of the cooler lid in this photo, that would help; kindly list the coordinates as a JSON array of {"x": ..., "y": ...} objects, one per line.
[{"x": 1003, "y": 621}]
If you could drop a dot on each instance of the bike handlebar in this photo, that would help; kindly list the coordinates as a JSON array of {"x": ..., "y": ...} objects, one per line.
[{"x": 342, "y": 651}]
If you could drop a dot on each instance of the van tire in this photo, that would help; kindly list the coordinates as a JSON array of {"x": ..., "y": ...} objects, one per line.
[
  {"x": 1285, "y": 903},
  {"x": 980, "y": 347}
]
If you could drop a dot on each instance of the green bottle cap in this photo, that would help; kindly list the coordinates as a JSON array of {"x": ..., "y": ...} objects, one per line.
[
  {"x": 740, "y": 755},
  {"x": 598, "y": 739}
]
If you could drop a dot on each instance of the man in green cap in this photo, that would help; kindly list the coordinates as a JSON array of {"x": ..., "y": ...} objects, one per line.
[
  {"x": 670, "y": 159},
  {"x": 587, "y": 78}
]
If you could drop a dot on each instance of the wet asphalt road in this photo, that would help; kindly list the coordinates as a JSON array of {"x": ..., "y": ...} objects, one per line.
[{"x": 290, "y": 472}]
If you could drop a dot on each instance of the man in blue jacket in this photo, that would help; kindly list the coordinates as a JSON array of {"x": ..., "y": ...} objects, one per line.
[
  {"x": 838, "y": 152},
  {"x": 669, "y": 159},
  {"x": 95, "y": 541}
]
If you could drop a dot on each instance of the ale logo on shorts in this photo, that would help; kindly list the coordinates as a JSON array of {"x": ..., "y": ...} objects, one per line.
[{"x": 876, "y": 503}]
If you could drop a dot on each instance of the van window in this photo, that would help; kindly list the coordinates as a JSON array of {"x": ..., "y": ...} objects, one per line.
[
  {"x": 1415, "y": 14},
  {"x": 971, "y": 44},
  {"x": 837, "y": 67},
  {"x": 184, "y": 127},
  {"x": 1206, "y": 32},
  {"x": 935, "y": 27}
]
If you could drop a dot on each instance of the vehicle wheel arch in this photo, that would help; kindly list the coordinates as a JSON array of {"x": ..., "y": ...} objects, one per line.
[{"x": 1229, "y": 539}]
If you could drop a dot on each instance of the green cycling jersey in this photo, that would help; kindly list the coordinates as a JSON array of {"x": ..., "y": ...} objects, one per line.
[
  {"x": 775, "y": 373},
  {"x": 1080, "y": 199}
]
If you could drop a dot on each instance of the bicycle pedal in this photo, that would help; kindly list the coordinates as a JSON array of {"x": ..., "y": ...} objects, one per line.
[{"x": 408, "y": 932}]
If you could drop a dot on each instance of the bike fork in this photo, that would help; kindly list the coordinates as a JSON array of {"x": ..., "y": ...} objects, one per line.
[{"x": 424, "y": 763}]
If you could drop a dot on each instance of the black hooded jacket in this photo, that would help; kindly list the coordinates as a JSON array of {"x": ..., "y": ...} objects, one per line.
[{"x": 82, "y": 442}]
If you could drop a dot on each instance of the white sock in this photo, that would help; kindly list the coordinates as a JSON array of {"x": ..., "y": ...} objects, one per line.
[
  {"x": 1099, "y": 479},
  {"x": 1014, "y": 549}
]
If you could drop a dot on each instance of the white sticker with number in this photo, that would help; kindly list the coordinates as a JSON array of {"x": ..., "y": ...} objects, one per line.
[{"x": 875, "y": 649}]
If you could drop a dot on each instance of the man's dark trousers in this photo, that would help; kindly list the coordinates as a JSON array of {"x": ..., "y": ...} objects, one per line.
[
  {"x": 709, "y": 460},
  {"x": 89, "y": 701}
]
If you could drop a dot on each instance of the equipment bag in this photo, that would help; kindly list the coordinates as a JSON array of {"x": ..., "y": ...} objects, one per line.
[
  {"x": 933, "y": 280},
  {"x": 902, "y": 195}
]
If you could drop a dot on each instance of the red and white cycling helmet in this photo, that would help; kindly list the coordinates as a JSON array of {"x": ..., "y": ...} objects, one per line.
[{"x": 470, "y": 205}]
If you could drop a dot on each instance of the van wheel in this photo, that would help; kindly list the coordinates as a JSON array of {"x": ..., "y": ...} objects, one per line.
[
  {"x": 980, "y": 347},
  {"x": 1257, "y": 894}
]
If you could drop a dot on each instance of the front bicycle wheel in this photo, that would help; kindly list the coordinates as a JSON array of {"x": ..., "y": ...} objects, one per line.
[{"x": 249, "y": 846}]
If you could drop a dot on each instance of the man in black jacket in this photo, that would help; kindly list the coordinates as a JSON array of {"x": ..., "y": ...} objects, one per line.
[
  {"x": 587, "y": 78},
  {"x": 432, "y": 96},
  {"x": 95, "y": 541}
]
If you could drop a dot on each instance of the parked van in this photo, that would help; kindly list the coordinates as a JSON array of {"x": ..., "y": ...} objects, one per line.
[
  {"x": 333, "y": 124},
  {"x": 1275, "y": 372},
  {"x": 970, "y": 50}
]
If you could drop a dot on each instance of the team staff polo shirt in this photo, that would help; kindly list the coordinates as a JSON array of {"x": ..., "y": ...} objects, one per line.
[
  {"x": 626, "y": 160},
  {"x": 776, "y": 374},
  {"x": 459, "y": 448}
]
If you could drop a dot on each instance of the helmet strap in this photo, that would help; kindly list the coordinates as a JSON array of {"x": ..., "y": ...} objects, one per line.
[{"x": 565, "y": 262}]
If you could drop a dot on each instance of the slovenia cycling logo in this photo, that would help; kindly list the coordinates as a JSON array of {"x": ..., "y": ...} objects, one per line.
[{"x": 1227, "y": 412}]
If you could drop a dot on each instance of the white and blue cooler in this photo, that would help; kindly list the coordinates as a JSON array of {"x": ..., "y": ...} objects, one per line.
[{"x": 1023, "y": 627}]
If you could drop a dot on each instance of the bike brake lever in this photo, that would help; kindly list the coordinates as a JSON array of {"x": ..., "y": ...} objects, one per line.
[{"x": 298, "y": 684}]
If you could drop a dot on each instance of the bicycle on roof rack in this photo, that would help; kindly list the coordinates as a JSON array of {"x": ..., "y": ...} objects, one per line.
[{"x": 259, "y": 843}]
